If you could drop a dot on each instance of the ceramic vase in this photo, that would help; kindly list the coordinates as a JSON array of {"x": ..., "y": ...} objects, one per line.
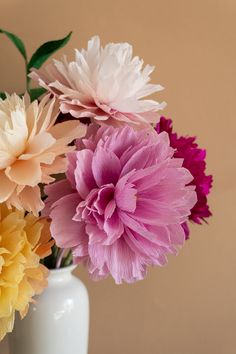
[{"x": 58, "y": 322}]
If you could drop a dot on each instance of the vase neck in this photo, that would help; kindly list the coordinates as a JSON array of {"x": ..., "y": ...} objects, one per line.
[{"x": 61, "y": 274}]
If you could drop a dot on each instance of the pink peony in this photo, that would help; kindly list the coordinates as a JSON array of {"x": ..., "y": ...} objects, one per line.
[
  {"x": 107, "y": 84},
  {"x": 194, "y": 161},
  {"x": 123, "y": 202}
]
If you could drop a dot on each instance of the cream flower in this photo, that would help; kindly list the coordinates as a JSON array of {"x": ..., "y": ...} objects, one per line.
[
  {"x": 107, "y": 84},
  {"x": 23, "y": 242},
  {"x": 31, "y": 149}
]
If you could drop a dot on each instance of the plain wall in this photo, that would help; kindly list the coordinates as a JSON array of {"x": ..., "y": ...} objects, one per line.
[{"x": 188, "y": 307}]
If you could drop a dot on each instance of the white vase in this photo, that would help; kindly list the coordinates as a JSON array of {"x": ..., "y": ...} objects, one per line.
[{"x": 58, "y": 322}]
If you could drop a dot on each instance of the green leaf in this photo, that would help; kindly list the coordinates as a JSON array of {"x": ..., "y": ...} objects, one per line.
[
  {"x": 36, "y": 93},
  {"x": 17, "y": 42},
  {"x": 2, "y": 95},
  {"x": 45, "y": 51}
]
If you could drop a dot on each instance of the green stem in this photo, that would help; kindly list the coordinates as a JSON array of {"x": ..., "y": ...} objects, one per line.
[
  {"x": 67, "y": 260},
  {"x": 27, "y": 78}
]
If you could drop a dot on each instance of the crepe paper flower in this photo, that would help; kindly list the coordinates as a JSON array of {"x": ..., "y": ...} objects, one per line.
[
  {"x": 194, "y": 161},
  {"x": 32, "y": 149},
  {"x": 123, "y": 202},
  {"x": 24, "y": 240},
  {"x": 107, "y": 84}
]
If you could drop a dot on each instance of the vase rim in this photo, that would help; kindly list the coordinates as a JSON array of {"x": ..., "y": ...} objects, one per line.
[{"x": 67, "y": 269}]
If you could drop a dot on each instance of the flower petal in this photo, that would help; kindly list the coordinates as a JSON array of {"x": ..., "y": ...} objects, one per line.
[
  {"x": 83, "y": 172},
  {"x": 7, "y": 187},
  {"x": 25, "y": 172},
  {"x": 39, "y": 144},
  {"x": 30, "y": 198},
  {"x": 105, "y": 166},
  {"x": 65, "y": 231}
]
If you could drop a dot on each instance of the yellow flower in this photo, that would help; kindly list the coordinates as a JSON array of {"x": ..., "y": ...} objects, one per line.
[{"x": 24, "y": 240}]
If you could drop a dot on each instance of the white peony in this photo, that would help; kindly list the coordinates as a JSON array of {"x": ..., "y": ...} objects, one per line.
[{"x": 106, "y": 84}]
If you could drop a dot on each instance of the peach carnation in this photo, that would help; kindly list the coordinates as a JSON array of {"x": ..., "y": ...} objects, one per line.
[
  {"x": 31, "y": 149},
  {"x": 24, "y": 240},
  {"x": 106, "y": 84}
]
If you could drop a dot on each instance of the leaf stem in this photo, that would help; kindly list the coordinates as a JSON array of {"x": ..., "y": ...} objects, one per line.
[
  {"x": 60, "y": 256},
  {"x": 27, "y": 78},
  {"x": 68, "y": 260}
]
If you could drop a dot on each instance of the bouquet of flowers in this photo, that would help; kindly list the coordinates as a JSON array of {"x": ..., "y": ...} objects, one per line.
[{"x": 90, "y": 173}]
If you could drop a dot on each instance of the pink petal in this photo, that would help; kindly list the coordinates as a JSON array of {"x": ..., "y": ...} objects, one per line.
[
  {"x": 70, "y": 173},
  {"x": 83, "y": 172},
  {"x": 156, "y": 234},
  {"x": 144, "y": 157},
  {"x": 114, "y": 228},
  {"x": 95, "y": 234},
  {"x": 177, "y": 234},
  {"x": 81, "y": 250},
  {"x": 110, "y": 209},
  {"x": 145, "y": 248},
  {"x": 104, "y": 196},
  {"x": 65, "y": 231},
  {"x": 126, "y": 198},
  {"x": 121, "y": 261},
  {"x": 120, "y": 141},
  {"x": 153, "y": 212},
  {"x": 106, "y": 167},
  {"x": 55, "y": 192}
]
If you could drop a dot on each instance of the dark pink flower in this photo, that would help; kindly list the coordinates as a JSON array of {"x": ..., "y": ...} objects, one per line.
[
  {"x": 194, "y": 161},
  {"x": 123, "y": 203}
]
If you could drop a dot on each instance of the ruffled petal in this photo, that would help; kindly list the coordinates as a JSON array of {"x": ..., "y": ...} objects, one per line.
[
  {"x": 7, "y": 187},
  {"x": 25, "y": 172},
  {"x": 66, "y": 231}
]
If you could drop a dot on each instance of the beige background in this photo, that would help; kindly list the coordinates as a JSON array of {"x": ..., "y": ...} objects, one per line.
[{"x": 189, "y": 307}]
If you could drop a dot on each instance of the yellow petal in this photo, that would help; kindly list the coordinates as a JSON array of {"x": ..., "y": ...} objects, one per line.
[
  {"x": 6, "y": 325},
  {"x": 7, "y": 301}
]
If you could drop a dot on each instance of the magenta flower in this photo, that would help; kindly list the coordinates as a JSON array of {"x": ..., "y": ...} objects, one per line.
[
  {"x": 123, "y": 203},
  {"x": 194, "y": 161}
]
